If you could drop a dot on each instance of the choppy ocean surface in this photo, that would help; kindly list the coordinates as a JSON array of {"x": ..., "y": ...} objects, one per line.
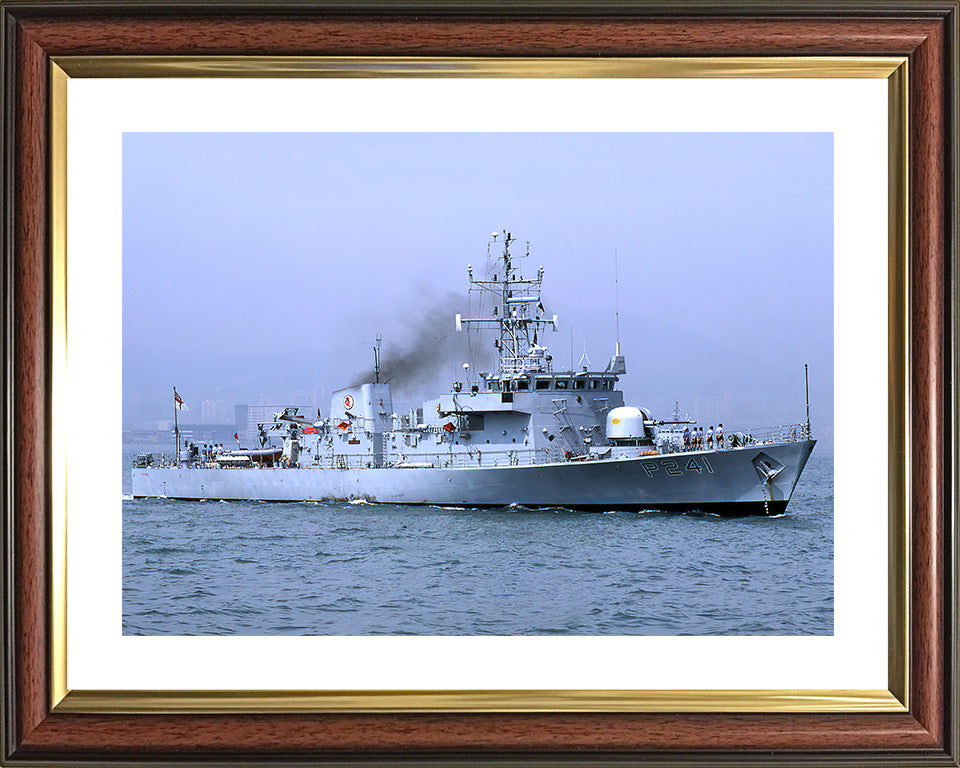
[{"x": 249, "y": 568}]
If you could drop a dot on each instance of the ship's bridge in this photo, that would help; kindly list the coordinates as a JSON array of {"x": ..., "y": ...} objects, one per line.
[
  {"x": 558, "y": 380},
  {"x": 550, "y": 381}
]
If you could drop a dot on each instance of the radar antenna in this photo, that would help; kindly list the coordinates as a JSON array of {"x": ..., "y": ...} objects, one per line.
[{"x": 519, "y": 316}]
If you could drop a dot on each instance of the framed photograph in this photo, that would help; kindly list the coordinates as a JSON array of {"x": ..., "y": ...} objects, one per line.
[{"x": 602, "y": 356}]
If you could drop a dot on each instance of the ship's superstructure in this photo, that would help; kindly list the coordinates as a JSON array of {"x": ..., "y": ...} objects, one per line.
[{"x": 525, "y": 433}]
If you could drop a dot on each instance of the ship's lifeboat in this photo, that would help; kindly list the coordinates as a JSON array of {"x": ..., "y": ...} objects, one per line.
[{"x": 266, "y": 456}]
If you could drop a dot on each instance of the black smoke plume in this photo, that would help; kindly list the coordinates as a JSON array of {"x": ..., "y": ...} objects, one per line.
[{"x": 421, "y": 348}]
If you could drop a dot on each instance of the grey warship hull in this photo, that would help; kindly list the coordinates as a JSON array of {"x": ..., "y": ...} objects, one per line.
[
  {"x": 526, "y": 433},
  {"x": 735, "y": 481}
]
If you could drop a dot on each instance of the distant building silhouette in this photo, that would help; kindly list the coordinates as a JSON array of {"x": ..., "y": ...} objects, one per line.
[{"x": 214, "y": 412}]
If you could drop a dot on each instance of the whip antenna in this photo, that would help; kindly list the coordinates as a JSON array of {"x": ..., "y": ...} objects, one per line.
[
  {"x": 616, "y": 294},
  {"x": 806, "y": 388}
]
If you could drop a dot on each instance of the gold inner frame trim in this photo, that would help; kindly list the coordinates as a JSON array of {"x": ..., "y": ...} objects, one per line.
[
  {"x": 58, "y": 405},
  {"x": 132, "y": 702},
  {"x": 430, "y": 66},
  {"x": 899, "y": 438},
  {"x": 893, "y": 69}
]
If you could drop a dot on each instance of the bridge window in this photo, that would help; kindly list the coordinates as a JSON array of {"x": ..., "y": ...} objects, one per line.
[
  {"x": 593, "y": 384},
  {"x": 522, "y": 385},
  {"x": 494, "y": 385},
  {"x": 578, "y": 383},
  {"x": 562, "y": 383},
  {"x": 543, "y": 384},
  {"x": 606, "y": 384}
]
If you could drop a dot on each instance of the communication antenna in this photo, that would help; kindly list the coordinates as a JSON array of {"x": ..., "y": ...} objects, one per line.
[
  {"x": 616, "y": 294},
  {"x": 584, "y": 359},
  {"x": 806, "y": 388},
  {"x": 376, "y": 360},
  {"x": 176, "y": 425}
]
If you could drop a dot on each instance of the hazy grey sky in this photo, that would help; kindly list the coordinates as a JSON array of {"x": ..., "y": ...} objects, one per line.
[{"x": 263, "y": 265}]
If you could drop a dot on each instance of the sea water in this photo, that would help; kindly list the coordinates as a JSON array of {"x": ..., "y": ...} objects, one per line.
[{"x": 262, "y": 568}]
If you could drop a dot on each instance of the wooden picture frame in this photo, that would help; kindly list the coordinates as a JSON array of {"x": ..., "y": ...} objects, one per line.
[{"x": 38, "y": 730}]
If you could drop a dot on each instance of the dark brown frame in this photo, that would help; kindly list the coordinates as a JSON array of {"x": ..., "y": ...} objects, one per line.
[{"x": 925, "y": 32}]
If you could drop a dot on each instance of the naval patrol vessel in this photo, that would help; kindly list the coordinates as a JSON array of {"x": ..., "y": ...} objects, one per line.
[{"x": 524, "y": 434}]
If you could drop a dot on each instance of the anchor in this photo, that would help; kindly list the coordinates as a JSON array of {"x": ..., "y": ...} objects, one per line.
[{"x": 767, "y": 467}]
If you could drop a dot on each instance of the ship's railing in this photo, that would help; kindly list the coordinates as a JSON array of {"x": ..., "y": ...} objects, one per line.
[
  {"x": 492, "y": 458},
  {"x": 164, "y": 462},
  {"x": 513, "y": 366},
  {"x": 781, "y": 433},
  {"x": 481, "y": 458}
]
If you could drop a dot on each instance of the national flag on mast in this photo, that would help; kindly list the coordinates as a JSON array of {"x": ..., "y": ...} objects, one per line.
[{"x": 178, "y": 402}]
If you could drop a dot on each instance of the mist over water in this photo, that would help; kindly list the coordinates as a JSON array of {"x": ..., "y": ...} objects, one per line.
[
  {"x": 260, "y": 267},
  {"x": 249, "y": 568}
]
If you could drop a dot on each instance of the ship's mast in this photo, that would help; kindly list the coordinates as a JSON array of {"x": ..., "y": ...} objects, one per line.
[{"x": 517, "y": 317}]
